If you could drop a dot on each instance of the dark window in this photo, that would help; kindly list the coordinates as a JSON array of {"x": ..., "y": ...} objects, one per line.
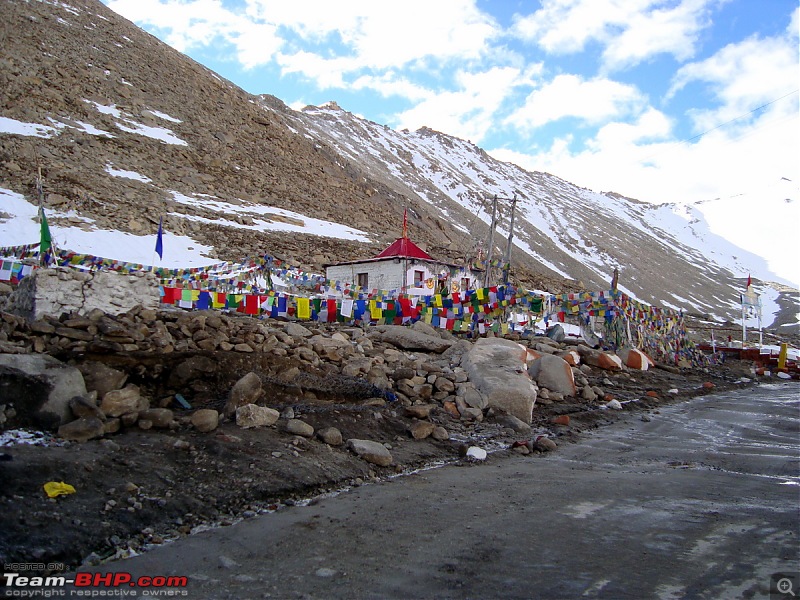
[
  {"x": 363, "y": 280},
  {"x": 419, "y": 277}
]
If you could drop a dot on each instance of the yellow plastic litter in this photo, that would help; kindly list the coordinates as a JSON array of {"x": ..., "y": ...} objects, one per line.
[{"x": 58, "y": 488}]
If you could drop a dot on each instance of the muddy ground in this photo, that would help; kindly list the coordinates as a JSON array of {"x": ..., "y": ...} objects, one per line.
[{"x": 141, "y": 488}]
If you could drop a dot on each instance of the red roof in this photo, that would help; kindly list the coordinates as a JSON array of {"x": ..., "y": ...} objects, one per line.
[{"x": 404, "y": 248}]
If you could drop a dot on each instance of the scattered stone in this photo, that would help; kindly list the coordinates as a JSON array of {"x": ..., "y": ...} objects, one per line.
[
  {"x": 614, "y": 405},
  {"x": 330, "y": 435},
  {"x": 419, "y": 411},
  {"x": 560, "y": 420},
  {"x": 82, "y": 430},
  {"x": 205, "y": 420},
  {"x": 475, "y": 453},
  {"x": 370, "y": 451},
  {"x": 121, "y": 402},
  {"x": 441, "y": 434},
  {"x": 252, "y": 415},
  {"x": 514, "y": 423},
  {"x": 298, "y": 427},
  {"x": 161, "y": 418},
  {"x": 421, "y": 429},
  {"x": 83, "y": 407},
  {"x": 245, "y": 391},
  {"x": 545, "y": 444}
]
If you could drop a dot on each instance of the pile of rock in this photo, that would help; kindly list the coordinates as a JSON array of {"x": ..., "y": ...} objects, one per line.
[{"x": 428, "y": 372}]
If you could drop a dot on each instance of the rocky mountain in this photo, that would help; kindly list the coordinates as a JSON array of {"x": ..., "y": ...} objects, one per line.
[{"x": 120, "y": 129}]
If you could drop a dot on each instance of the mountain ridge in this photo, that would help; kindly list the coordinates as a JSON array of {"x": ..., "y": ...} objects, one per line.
[{"x": 102, "y": 91}]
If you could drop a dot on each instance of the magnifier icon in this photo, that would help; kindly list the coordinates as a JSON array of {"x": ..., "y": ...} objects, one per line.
[{"x": 785, "y": 586}]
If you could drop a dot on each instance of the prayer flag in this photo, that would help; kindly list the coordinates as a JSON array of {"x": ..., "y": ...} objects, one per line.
[
  {"x": 45, "y": 241},
  {"x": 160, "y": 239}
]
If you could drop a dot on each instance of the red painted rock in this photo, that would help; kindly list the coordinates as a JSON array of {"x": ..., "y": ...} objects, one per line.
[
  {"x": 572, "y": 357},
  {"x": 636, "y": 359},
  {"x": 708, "y": 385},
  {"x": 561, "y": 420},
  {"x": 609, "y": 362},
  {"x": 652, "y": 394}
]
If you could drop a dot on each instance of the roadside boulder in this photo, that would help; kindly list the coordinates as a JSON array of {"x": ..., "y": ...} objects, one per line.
[
  {"x": 554, "y": 373},
  {"x": 497, "y": 368},
  {"x": 41, "y": 388}
]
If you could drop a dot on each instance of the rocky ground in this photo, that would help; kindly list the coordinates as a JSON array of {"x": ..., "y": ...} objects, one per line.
[{"x": 158, "y": 472}]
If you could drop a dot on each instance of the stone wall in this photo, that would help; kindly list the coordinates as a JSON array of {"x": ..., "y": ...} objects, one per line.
[{"x": 52, "y": 292}]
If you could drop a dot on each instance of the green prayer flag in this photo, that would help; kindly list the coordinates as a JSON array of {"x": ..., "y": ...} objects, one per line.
[{"x": 46, "y": 242}]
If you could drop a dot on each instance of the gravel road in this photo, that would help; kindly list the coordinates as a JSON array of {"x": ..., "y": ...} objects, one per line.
[{"x": 699, "y": 501}]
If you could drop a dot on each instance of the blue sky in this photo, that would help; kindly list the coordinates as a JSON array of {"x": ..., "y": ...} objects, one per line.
[{"x": 660, "y": 100}]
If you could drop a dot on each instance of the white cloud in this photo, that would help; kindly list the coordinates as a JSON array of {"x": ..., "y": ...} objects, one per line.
[
  {"x": 468, "y": 112},
  {"x": 742, "y": 77},
  {"x": 325, "y": 40},
  {"x": 592, "y": 101},
  {"x": 631, "y": 30},
  {"x": 645, "y": 160}
]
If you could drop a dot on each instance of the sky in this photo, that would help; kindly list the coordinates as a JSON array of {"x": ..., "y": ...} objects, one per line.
[{"x": 659, "y": 100}]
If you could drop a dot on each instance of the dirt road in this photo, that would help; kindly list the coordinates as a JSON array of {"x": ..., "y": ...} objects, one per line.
[{"x": 701, "y": 501}]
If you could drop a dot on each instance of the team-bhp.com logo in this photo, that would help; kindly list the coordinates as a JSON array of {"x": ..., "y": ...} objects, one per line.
[{"x": 94, "y": 585}]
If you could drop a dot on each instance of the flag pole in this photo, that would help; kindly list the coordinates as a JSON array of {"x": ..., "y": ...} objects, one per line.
[{"x": 159, "y": 249}]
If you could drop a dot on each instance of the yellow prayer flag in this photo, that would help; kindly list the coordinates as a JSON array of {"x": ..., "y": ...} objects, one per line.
[{"x": 303, "y": 308}]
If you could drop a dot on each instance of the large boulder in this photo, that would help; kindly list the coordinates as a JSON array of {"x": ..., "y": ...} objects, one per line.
[
  {"x": 40, "y": 387},
  {"x": 411, "y": 339},
  {"x": 497, "y": 368},
  {"x": 554, "y": 373}
]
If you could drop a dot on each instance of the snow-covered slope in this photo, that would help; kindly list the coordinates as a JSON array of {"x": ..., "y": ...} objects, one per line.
[{"x": 667, "y": 254}]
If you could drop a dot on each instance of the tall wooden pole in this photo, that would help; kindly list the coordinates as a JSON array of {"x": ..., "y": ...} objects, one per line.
[
  {"x": 507, "y": 259},
  {"x": 487, "y": 275}
]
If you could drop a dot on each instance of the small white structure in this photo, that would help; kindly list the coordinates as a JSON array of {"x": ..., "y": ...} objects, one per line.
[
  {"x": 59, "y": 290},
  {"x": 406, "y": 268}
]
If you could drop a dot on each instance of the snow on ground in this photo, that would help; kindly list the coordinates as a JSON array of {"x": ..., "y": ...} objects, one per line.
[
  {"x": 297, "y": 223},
  {"x": 15, "y": 127},
  {"x": 114, "y": 172},
  {"x": 19, "y": 225}
]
